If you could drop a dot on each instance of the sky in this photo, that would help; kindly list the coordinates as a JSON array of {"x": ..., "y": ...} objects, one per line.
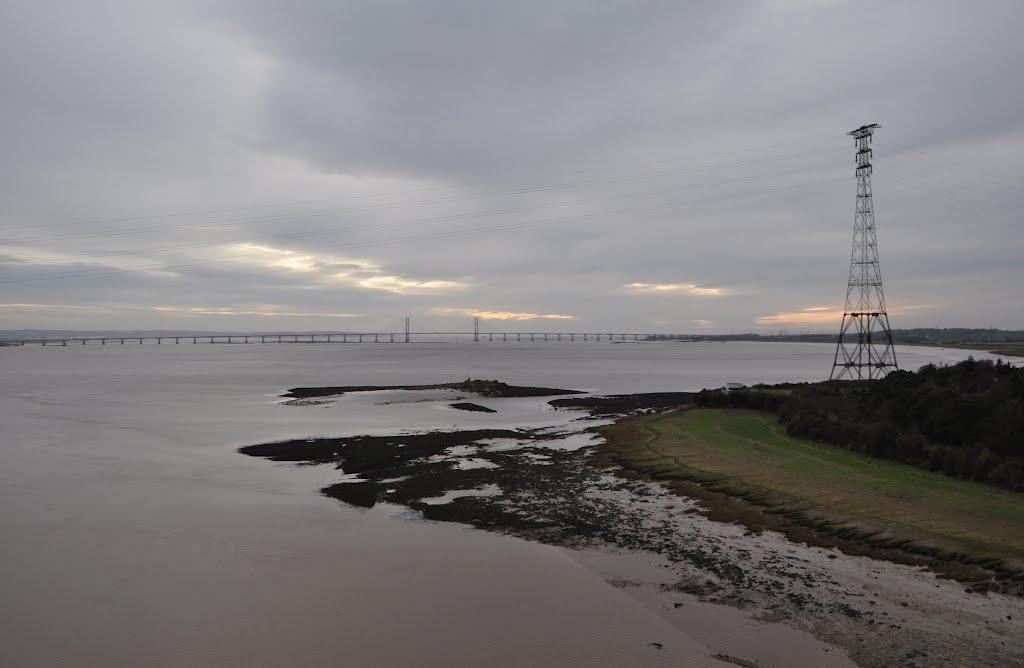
[{"x": 644, "y": 166}]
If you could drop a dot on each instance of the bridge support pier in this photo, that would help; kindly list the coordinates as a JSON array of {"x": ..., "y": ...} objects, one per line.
[{"x": 377, "y": 337}]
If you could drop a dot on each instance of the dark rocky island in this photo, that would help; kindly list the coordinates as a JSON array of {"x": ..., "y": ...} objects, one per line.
[
  {"x": 485, "y": 388},
  {"x": 474, "y": 408}
]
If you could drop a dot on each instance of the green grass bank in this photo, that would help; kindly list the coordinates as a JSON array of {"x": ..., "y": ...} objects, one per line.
[{"x": 743, "y": 467}]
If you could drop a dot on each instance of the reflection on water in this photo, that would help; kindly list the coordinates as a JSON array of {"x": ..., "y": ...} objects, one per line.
[{"x": 134, "y": 534}]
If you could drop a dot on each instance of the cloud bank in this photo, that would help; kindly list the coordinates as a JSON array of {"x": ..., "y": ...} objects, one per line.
[{"x": 655, "y": 166}]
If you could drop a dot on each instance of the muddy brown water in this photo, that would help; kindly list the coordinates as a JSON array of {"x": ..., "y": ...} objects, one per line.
[{"x": 135, "y": 534}]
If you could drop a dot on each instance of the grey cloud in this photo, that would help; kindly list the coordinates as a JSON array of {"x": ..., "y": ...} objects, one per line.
[
  {"x": 464, "y": 88},
  {"x": 509, "y": 133}
]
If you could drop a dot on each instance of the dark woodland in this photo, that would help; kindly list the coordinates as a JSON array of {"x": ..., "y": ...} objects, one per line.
[{"x": 964, "y": 420}]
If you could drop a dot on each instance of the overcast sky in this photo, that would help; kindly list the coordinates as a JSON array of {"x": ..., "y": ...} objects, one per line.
[{"x": 660, "y": 166}]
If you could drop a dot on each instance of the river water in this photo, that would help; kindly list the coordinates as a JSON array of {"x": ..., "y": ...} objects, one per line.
[{"x": 133, "y": 533}]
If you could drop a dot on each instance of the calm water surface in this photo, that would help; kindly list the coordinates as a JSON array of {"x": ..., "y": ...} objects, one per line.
[{"x": 134, "y": 534}]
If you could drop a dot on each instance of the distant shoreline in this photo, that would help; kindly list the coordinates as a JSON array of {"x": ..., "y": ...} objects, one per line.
[{"x": 1008, "y": 349}]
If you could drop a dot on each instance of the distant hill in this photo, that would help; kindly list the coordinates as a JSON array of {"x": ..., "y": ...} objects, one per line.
[
  {"x": 999, "y": 341},
  {"x": 929, "y": 335},
  {"x": 957, "y": 335}
]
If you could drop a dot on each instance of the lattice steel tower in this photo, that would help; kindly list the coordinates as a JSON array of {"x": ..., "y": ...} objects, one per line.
[{"x": 865, "y": 347}]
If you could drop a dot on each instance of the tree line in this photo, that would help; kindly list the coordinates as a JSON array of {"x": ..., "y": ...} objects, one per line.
[
  {"x": 964, "y": 420},
  {"x": 920, "y": 335}
]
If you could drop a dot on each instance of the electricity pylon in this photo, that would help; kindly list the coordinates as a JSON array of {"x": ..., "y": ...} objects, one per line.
[{"x": 864, "y": 349}]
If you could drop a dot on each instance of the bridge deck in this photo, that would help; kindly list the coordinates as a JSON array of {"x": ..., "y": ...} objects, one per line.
[{"x": 348, "y": 337}]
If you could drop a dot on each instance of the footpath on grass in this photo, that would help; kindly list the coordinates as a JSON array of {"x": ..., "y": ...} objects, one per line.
[{"x": 744, "y": 468}]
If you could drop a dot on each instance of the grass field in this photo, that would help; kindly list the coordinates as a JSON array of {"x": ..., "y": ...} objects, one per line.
[{"x": 749, "y": 454}]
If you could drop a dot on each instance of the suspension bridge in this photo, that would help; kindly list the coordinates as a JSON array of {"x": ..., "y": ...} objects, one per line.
[{"x": 406, "y": 336}]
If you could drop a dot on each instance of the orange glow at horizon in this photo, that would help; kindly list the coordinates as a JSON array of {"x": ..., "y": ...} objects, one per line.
[
  {"x": 832, "y": 316},
  {"x": 684, "y": 288},
  {"x": 823, "y": 315},
  {"x": 500, "y": 315}
]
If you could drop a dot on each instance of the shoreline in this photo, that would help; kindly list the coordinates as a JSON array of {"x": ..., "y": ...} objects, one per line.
[
  {"x": 668, "y": 551},
  {"x": 800, "y": 519},
  {"x": 1005, "y": 349}
]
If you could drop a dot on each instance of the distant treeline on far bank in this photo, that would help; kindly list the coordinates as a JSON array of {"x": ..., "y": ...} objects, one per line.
[
  {"x": 922, "y": 335},
  {"x": 965, "y": 420}
]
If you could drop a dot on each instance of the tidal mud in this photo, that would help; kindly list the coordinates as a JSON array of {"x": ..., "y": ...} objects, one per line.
[
  {"x": 626, "y": 404},
  {"x": 544, "y": 485}
]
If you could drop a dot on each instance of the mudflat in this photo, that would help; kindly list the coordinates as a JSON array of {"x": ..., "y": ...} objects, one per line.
[{"x": 802, "y": 595}]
